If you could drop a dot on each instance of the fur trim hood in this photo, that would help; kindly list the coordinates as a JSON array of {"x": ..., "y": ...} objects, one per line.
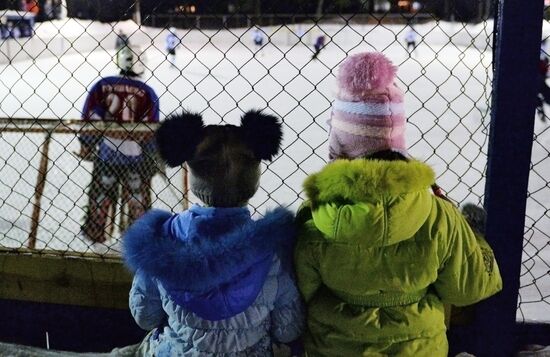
[
  {"x": 362, "y": 180},
  {"x": 205, "y": 255},
  {"x": 370, "y": 202}
]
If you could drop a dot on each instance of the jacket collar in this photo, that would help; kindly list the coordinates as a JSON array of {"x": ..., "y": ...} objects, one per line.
[{"x": 207, "y": 248}]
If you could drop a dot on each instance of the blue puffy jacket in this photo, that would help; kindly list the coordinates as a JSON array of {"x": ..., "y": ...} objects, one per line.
[{"x": 212, "y": 281}]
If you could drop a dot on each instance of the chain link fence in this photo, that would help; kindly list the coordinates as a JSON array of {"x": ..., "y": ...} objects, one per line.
[
  {"x": 534, "y": 297},
  {"x": 48, "y": 68}
]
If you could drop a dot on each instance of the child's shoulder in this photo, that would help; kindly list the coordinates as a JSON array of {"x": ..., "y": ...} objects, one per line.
[
  {"x": 148, "y": 226},
  {"x": 276, "y": 225},
  {"x": 278, "y": 215}
]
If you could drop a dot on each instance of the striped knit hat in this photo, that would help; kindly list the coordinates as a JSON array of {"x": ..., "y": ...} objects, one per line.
[{"x": 368, "y": 114}]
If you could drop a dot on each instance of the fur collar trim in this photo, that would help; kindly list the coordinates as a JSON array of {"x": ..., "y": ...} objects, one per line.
[
  {"x": 362, "y": 179},
  {"x": 206, "y": 257}
]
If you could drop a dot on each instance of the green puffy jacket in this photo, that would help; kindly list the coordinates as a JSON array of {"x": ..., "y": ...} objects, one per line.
[{"x": 377, "y": 257}]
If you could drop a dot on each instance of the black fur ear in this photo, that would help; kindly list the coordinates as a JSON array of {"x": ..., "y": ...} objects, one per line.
[
  {"x": 178, "y": 137},
  {"x": 262, "y": 133}
]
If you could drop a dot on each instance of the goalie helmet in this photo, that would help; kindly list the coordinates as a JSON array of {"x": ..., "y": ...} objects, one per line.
[{"x": 131, "y": 60}]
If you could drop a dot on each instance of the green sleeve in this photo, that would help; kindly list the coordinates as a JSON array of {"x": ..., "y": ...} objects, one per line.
[
  {"x": 468, "y": 270},
  {"x": 306, "y": 257}
]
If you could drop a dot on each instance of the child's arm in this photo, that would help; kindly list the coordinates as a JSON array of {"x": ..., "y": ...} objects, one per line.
[
  {"x": 306, "y": 261},
  {"x": 307, "y": 274},
  {"x": 287, "y": 317},
  {"x": 145, "y": 302},
  {"x": 468, "y": 270}
]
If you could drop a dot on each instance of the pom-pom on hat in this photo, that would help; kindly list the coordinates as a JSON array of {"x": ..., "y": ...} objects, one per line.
[
  {"x": 223, "y": 160},
  {"x": 367, "y": 114}
]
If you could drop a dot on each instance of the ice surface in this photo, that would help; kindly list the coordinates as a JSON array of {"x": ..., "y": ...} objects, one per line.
[{"x": 447, "y": 82}]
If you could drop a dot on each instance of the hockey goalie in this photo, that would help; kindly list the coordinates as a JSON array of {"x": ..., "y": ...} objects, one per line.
[{"x": 123, "y": 160}]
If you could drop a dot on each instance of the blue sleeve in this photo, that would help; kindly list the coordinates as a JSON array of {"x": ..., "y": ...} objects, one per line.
[
  {"x": 145, "y": 302},
  {"x": 288, "y": 314}
]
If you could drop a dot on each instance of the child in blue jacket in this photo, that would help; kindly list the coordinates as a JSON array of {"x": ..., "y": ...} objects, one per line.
[{"x": 210, "y": 281}]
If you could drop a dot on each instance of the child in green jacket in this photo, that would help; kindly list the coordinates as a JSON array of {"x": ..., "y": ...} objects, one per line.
[{"x": 378, "y": 254}]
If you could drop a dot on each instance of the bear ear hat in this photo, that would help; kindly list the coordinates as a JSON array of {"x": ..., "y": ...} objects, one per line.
[
  {"x": 262, "y": 133},
  {"x": 178, "y": 137}
]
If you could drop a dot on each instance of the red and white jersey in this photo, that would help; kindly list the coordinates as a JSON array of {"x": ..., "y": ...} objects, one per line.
[{"x": 123, "y": 100}]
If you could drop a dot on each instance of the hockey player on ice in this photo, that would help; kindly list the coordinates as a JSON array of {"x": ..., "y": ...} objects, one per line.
[
  {"x": 258, "y": 39},
  {"x": 122, "y": 160},
  {"x": 172, "y": 42},
  {"x": 318, "y": 46},
  {"x": 121, "y": 40},
  {"x": 410, "y": 40}
]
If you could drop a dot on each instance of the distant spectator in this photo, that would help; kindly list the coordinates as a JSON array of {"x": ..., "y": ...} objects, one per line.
[
  {"x": 25, "y": 29},
  {"x": 4, "y": 31},
  {"x": 48, "y": 10},
  {"x": 58, "y": 9},
  {"x": 32, "y": 7},
  {"x": 13, "y": 30},
  {"x": 416, "y": 6}
]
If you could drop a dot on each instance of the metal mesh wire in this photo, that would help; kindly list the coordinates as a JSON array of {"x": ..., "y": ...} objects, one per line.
[
  {"x": 221, "y": 73},
  {"x": 534, "y": 297}
]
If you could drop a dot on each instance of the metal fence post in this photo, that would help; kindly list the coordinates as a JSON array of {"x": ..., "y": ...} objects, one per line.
[{"x": 515, "y": 88}]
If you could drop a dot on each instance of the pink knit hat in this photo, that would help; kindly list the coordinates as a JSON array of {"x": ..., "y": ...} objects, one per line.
[{"x": 368, "y": 114}]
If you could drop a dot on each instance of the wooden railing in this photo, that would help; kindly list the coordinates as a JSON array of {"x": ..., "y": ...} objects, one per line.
[{"x": 75, "y": 127}]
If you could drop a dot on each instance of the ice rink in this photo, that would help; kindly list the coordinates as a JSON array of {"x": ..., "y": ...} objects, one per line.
[{"x": 447, "y": 82}]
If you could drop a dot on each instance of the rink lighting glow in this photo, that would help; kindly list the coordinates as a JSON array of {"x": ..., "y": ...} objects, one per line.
[{"x": 187, "y": 9}]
